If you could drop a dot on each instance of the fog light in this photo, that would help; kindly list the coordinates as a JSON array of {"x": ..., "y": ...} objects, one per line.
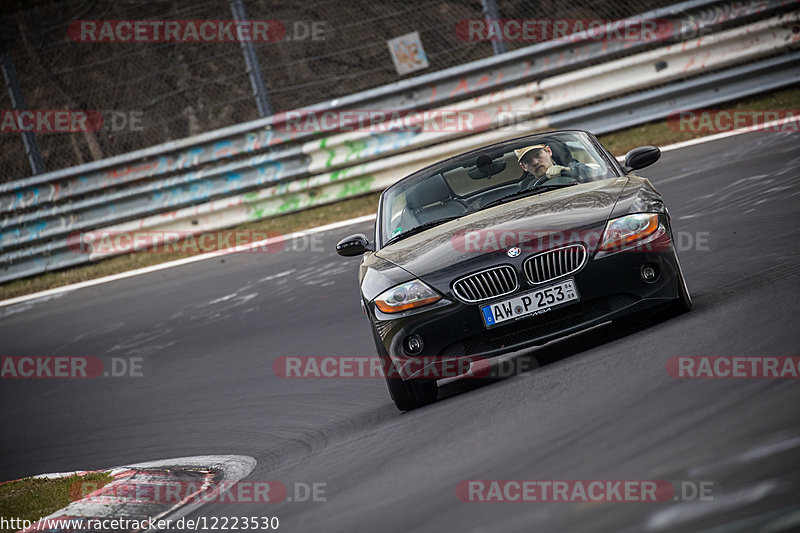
[
  {"x": 649, "y": 273},
  {"x": 414, "y": 344}
]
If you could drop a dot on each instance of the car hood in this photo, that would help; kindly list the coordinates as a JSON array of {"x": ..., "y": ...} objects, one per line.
[{"x": 531, "y": 223}]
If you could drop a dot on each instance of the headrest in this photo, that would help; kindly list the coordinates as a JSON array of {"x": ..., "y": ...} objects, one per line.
[{"x": 427, "y": 192}]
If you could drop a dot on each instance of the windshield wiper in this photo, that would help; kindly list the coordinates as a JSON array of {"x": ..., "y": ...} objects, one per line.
[
  {"x": 417, "y": 229},
  {"x": 526, "y": 192}
]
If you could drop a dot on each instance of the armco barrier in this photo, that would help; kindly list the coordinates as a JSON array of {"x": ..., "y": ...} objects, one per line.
[
  {"x": 749, "y": 79},
  {"x": 460, "y": 83},
  {"x": 292, "y": 177},
  {"x": 533, "y": 99},
  {"x": 696, "y": 93}
]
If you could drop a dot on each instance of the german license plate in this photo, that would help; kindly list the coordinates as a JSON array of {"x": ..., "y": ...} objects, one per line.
[{"x": 531, "y": 303}]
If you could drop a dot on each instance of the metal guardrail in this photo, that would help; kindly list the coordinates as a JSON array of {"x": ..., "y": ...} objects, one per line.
[
  {"x": 547, "y": 58},
  {"x": 298, "y": 176},
  {"x": 535, "y": 98},
  {"x": 696, "y": 93}
]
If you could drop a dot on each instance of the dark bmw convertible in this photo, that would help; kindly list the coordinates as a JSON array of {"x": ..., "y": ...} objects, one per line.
[{"x": 510, "y": 246}]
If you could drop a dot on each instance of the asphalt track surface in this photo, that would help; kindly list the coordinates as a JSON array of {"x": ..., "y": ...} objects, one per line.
[{"x": 600, "y": 406}]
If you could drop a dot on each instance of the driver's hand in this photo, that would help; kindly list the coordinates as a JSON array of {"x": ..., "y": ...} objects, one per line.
[{"x": 554, "y": 171}]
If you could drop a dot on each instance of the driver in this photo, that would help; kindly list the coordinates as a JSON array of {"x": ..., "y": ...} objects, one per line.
[{"x": 537, "y": 160}]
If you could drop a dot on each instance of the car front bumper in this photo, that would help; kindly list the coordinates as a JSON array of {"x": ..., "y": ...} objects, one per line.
[{"x": 452, "y": 331}]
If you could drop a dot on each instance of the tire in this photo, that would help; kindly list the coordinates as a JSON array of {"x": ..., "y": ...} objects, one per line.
[
  {"x": 407, "y": 395},
  {"x": 679, "y": 306},
  {"x": 684, "y": 302}
]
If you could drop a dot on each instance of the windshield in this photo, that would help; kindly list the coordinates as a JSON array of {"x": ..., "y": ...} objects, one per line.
[{"x": 489, "y": 176}]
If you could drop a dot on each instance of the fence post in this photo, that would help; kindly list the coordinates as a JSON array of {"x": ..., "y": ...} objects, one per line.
[
  {"x": 253, "y": 67},
  {"x": 18, "y": 103},
  {"x": 491, "y": 12}
]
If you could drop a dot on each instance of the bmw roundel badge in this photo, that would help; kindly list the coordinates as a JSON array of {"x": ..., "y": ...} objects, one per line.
[{"x": 513, "y": 252}]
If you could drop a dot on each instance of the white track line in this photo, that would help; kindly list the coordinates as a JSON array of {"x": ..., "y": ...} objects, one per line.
[
  {"x": 732, "y": 133},
  {"x": 185, "y": 261},
  {"x": 327, "y": 227},
  {"x": 724, "y": 134}
]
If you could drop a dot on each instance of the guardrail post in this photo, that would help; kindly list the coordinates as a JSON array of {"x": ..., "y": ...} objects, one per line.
[
  {"x": 253, "y": 66},
  {"x": 490, "y": 12},
  {"x": 18, "y": 103}
]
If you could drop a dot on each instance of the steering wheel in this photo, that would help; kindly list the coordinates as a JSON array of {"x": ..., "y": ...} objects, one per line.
[
  {"x": 570, "y": 174},
  {"x": 526, "y": 181},
  {"x": 566, "y": 178}
]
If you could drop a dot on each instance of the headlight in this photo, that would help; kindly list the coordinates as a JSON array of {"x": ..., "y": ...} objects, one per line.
[
  {"x": 406, "y": 296},
  {"x": 628, "y": 229}
]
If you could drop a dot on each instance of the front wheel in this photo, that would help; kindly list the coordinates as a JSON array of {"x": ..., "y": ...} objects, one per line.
[
  {"x": 684, "y": 302},
  {"x": 409, "y": 395}
]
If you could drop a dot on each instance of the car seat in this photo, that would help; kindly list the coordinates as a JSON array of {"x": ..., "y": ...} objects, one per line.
[{"x": 430, "y": 200}]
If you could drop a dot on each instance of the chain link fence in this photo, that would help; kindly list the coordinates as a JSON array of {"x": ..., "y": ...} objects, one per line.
[{"x": 152, "y": 92}]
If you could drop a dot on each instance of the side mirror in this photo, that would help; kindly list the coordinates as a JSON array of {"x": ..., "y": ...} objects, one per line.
[
  {"x": 353, "y": 245},
  {"x": 641, "y": 157}
]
